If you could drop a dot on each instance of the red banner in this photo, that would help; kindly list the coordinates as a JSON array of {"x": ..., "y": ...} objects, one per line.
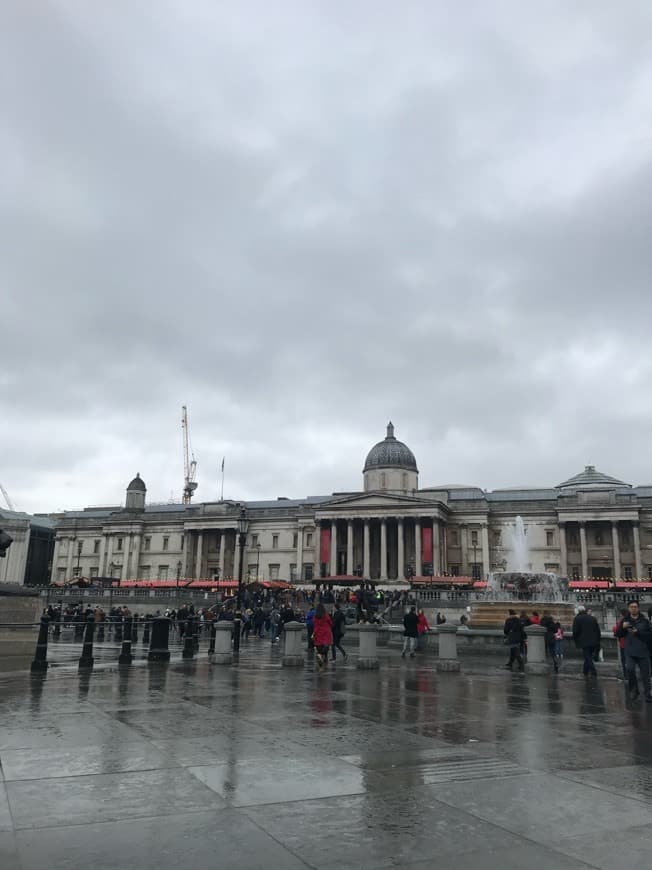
[
  {"x": 325, "y": 546},
  {"x": 426, "y": 544}
]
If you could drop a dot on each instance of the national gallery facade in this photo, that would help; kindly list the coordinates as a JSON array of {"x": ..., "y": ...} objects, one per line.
[{"x": 590, "y": 526}]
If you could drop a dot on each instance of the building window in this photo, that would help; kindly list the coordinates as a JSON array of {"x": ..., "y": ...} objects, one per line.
[
  {"x": 454, "y": 570},
  {"x": 309, "y": 540},
  {"x": 96, "y": 547},
  {"x": 76, "y": 572},
  {"x": 183, "y": 541},
  {"x": 598, "y": 537},
  {"x": 474, "y": 539},
  {"x": 251, "y": 570},
  {"x": 549, "y": 539},
  {"x": 455, "y": 538},
  {"x": 166, "y": 541},
  {"x": 295, "y": 540},
  {"x": 575, "y": 572},
  {"x": 61, "y": 574},
  {"x": 145, "y": 572},
  {"x": 93, "y": 573},
  {"x": 119, "y": 544},
  {"x": 274, "y": 542},
  {"x": 308, "y": 575},
  {"x": 254, "y": 540},
  {"x": 497, "y": 540},
  {"x": 551, "y": 567},
  {"x": 293, "y": 573},
  {"x": 383, "y": 480},
  {"x": 147, "y": 543},
  {"x": 163, "y": 572},
  {"x": 628, "y": 572},
  {"x": 476, "y": 570},
  {"x": 274, "y": 571},
  {"x": 573, "y": 538},
  {"x": 404, "y": 480}
]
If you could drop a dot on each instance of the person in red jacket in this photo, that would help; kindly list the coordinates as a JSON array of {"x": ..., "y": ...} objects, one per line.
[
  {"x": 322, "y": 634},
  {"x": 422, "y": 627}
]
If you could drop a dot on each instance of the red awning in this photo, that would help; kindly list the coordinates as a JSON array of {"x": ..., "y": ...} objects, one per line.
[
  {"x": 589, "y": 584},
  {"x": 633, "y": 586},
  {"x": 480, "y": 584},
  {"x": 441, "y": 581}
]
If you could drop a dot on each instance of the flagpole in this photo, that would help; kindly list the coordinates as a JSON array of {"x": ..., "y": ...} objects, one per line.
[{"x": 222, "y": 492}]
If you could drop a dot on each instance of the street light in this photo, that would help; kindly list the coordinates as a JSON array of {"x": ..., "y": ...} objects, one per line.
[
  {"x": 257, "y": 562},
  {"x": 179, "y": 567},
  {"x": 475, "y": 562},
  {"x": 79, "y": 552},
  {"x": 243, "y": 524}
]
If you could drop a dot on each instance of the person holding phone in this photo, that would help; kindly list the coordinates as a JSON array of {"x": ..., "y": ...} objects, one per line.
[{"x": 637, "y": 632}]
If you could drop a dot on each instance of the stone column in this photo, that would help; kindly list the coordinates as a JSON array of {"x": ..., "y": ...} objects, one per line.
[
  {"x": 536, "y": 650},
  {"x": 418, "y": 567},
  {"x": 436, "y": 548},
  {"x": 401, "y": 550},
  {"x": 637, "y": 551},
  {"x": 136, "y": 557},
  {"x": 447, "y": 658},
  {"x": 220, "y": 558},
  {"x": 223, "y": 654},
  {"x": 616, "y": 546},
  {"x": 366, "y": 560},
  {"x": 383, "y": 549},
  {"x": 71, "y": 547},
  {"x": 236, "y": 559},
  {"x": 564, "y": 550},
  {"x": 584, "y": 552},
  {"x": 349, "y": 547},
  {"x": 100, "y": 568},
  {"x": 368, "y": 654},
  {"x": 125, "y": 557},
  {"x": 444, "y": 549},
  {"x": 293, "y": 650},
  {"x": 200, "y": 555},
  {"x": 300, "y": 554},
  {"x": 333, "y": 564},
  {"x": 486, "y": 560},
  {"x": 109, "y": 554}
]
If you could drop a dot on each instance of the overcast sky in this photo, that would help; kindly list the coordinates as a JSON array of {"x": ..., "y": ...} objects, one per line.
[{"x": 305, "y": 219}]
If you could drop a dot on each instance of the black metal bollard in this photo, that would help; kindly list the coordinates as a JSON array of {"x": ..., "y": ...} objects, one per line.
[
  {"x": 86, "y": 658},
  {"x": 40, "y": 662},
  {"x": 237, "y": 625},
  {"x": 195, "y": 632},
  {"x": 146, "y": 631},
  {"x": 125, "y": 657},
  {"x": 117, "y": 631},
  {"x": 79, "y": 628},
  {"x": 134, "y": 631},
  {"x": 189, "y": 639},
  {"x": 158, "y": 648},
  {"x": 56, "y": 634},
  {"x": 211, "y": 645},
  {"x": 100, "y": 632}
]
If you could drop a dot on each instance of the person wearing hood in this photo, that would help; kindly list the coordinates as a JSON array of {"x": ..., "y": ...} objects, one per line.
[{"x": 587, "y": 637}]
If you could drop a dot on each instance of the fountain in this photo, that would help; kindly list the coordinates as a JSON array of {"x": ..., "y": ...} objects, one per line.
[{"x": 519, "y": 584}]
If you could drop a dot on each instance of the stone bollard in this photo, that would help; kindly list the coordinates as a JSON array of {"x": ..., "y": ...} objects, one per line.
[
  {"x": 211, "y": 643},
  {"x": 293, "y": 652},
  {"x": 125, "y": 657},
  {"x": 146, "y": 632},
  {"x": 86, "y": 658},
  {"x": 223, "y": 654},
  {"x": 368, "y": 654},
  {"x": 237, "y": 629},
  {"x": 189, "y": 639},
  {"x": 40, "y": 663},
  {"x": 447, "y": 660},
  {"x": 196, "y": 628},
  {"x": 536, "y": 650},
  {"x": 158, "y": 648}
]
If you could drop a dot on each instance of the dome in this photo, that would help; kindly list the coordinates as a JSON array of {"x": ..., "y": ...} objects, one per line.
[
  {"x": 591, "y": 479},
  {"x": 137, "y": 484},
  {"x": 390, "y": 453}
]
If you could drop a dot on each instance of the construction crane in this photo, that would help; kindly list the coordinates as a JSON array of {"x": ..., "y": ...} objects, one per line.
[
  {"x": 6, "y": 498},
  {"x": 189, "y": 461}
]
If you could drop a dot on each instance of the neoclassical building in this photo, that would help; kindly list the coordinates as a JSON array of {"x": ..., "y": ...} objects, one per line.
[{"x": 591, "y": 525}]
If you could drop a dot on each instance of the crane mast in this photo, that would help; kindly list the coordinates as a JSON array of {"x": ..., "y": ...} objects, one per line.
[
  {"x": 189, "y": 461},
  {"x": 6, "y": 498}
]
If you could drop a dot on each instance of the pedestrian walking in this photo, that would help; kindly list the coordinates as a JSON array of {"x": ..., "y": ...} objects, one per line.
[
  {"x": 410, "y": 631},
  {"x": 587, "y": 637},
  {"x": 422, "y": 627},
  {"x": 322, "y": 634},
  {"x": 637, "y": 632},
  {"x": 624, "y": 613},
  {"x": 515, "y": 639},
  {"x": 339, "y": 625}
]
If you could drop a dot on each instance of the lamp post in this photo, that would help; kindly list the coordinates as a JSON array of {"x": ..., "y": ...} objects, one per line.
[
  {"x": 179, "y": 567},
  {"x": 257, "y": 562},
  {"x": 243, "y": 524},
  {"x": 475, "y": 562}
]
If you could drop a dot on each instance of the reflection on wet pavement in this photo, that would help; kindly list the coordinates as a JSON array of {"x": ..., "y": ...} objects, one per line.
[{"x": 258, "y": 766}]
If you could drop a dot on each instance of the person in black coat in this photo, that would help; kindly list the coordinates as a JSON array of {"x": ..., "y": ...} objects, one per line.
[
  {"x": 338, "y": 625},
  {"x": 410, "y": 631},
  {"x": 587, "y": 637},
  {"x": 514, "y": 638},
  {"x": 637, "y": 632}
]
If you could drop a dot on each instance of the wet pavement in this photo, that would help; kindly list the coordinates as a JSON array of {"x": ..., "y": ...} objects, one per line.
[{"x": 257, "y": 766}]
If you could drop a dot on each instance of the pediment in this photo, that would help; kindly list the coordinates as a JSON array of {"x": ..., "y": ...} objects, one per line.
[{"x": 375, "y": 499}]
